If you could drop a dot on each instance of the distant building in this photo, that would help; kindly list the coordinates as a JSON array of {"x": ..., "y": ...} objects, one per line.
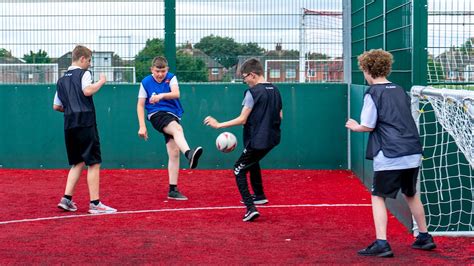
[
  {"x": 215, "y": 71},
  {"x": 457, "y": 64},
  {"x": 14, "y": 70},
  {"x": 283, "y": 66},
  {"x": 101, "y": 63}
]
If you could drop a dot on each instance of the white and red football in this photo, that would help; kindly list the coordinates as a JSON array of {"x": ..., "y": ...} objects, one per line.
[{"x": 226, "y": 142}]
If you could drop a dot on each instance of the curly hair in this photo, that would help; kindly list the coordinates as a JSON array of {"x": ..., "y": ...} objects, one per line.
[{"x": 376, "y": 62}]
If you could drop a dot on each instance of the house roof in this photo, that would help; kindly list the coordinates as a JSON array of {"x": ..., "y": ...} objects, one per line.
[
  {"x": 455, "y": 60},
  {"x": 210, "y": 63},
  {"x": 11, "y": 60}
]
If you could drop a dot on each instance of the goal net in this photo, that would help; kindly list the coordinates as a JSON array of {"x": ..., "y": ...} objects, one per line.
[{"x": 446, "y": 124}]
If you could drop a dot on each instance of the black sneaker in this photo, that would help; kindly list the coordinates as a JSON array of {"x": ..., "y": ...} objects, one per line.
[
  {"x": 176, "y": 195},
  {"x": 424, "y": 243},
  {"x": 258, "y": 200},
  {"x": 251, "y": 215},
  {"x": 376, "y": 250},
  {"x": 194, "y": 155}
]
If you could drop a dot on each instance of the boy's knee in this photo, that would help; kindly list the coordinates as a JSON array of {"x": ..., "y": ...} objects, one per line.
[{"x": 173, "y": 153}]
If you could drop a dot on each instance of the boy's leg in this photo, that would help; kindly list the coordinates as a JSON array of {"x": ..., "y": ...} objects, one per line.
[
  {"x": 256, "y": 179},
  {"x": 416, "y": 208},
  {"x": 257, "y": 184},
  {"x": 247, "y": 160},
  {"x": 379, "y": 212},
  {"x": 72, "y": 178},
  {"x": 176, "y": 130},
  {"x": 173, "y": 170},
  {"x": 93, "y": 181},
  {"x": 380, "y": 247},
  {"x": 173, "y": 161}
]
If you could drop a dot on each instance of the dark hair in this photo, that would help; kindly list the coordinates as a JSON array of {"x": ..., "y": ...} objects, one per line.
[
  {"x": 159, "y": 62},
  {"x": 80, "y": 51},
  {"x": 252, "y": 65},
  {"x": 376, "y": 62}
]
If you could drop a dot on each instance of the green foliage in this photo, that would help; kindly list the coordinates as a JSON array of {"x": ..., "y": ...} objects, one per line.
[
  {"x": 250, "y": 48},
  {"x": 225, "y": 50},
  {"x": 40, "y": 57},
  {"x": 189, "y": 68},
  {"x": 317, "y": 56},
  {"x": 154, "y": 47},
  {"x": 5, "y": 53}
]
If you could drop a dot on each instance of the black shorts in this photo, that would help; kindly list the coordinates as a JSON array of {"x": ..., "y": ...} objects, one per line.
[
  {"x": 160, "y": 120},
  {"x": 387, "y": 183},
  {"x": 82, "y": 145}
]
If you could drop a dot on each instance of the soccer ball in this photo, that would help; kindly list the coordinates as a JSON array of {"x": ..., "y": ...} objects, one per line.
[{"x": 226, "y": 142}]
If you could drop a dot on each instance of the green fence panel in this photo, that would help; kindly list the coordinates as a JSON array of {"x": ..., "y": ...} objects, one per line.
[{"x": 313, "y": 132}]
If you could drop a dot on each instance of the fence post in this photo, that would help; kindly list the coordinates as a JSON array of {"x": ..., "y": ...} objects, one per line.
[{"x": 170, "y": 34}]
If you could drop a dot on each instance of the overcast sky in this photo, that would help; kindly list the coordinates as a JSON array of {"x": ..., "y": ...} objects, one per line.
[{"x": 124, "y": 26}]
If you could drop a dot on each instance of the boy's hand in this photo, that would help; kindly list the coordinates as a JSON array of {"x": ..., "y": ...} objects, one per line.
[
  {"x": 142, "y": 133},
  {"x": 211, "y": 121},
  {"x": 352, "y": 124},
  {"x": 155, "y": 98},
  {"x": 102, "y": 78}
]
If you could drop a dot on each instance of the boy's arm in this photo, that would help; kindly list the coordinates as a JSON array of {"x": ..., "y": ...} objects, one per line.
[
  {"x": 240, "y": 120},
  {"x": 94, "y": 87},
  {"x": 58, "y": 108},
  {"x": 354, "y": 126},
  {"x": 142, "y": 131},
  {"x": 173, "y": 94}
]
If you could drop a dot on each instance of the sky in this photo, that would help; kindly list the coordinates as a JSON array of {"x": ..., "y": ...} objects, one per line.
[{"x": 124, "y": 26}]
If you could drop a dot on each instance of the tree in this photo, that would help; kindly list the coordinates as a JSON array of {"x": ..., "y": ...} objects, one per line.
[
  {"x": 317, "y": 56},
  {"x": 153, "y": 47},
  {"x": 5, "y": 53},
  {"x": 188, "y": 67},
  {"x": 225, "y": 50},
  {"x": 250, "y": 48},
  {"x": 40, "y": 57}
]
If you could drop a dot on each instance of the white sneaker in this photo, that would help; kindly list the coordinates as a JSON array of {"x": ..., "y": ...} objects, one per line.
[{"x": 100, "y": 209}]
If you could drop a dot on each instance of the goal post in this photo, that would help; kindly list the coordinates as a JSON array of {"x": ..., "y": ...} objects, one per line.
[{"x": 445, "y": 119}]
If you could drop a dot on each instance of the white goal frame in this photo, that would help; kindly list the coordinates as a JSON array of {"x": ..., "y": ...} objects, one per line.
[{"x": 461, "y": 130}]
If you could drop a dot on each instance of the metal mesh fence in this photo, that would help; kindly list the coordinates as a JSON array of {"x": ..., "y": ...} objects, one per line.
[
  {"x": 296, "y": 40},
  {"x": 450, "y": 43}
]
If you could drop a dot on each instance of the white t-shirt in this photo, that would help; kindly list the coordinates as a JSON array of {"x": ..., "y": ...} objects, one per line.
[
  {"x": 368, "y": 118},
  {"x": 85, "y": 81}
]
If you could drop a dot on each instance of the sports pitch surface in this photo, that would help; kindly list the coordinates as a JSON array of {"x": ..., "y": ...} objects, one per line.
[{"x": 313, "y": 217}]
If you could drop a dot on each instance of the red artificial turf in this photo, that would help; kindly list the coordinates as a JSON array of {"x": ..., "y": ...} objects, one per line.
[{"x": 295, "y": 228}]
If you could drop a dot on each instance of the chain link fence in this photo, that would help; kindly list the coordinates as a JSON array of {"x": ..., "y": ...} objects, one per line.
[
  {"x": 450, "y": 43},
  {"x": 296, "y": 40}
]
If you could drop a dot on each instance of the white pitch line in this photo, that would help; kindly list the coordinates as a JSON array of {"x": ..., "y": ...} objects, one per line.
[{"x": 180, "y": 209}]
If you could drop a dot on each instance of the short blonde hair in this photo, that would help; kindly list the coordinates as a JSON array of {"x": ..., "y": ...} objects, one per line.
[
  {"x": 80, "y": 51},
  {"x": 376, "y": 62}
]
